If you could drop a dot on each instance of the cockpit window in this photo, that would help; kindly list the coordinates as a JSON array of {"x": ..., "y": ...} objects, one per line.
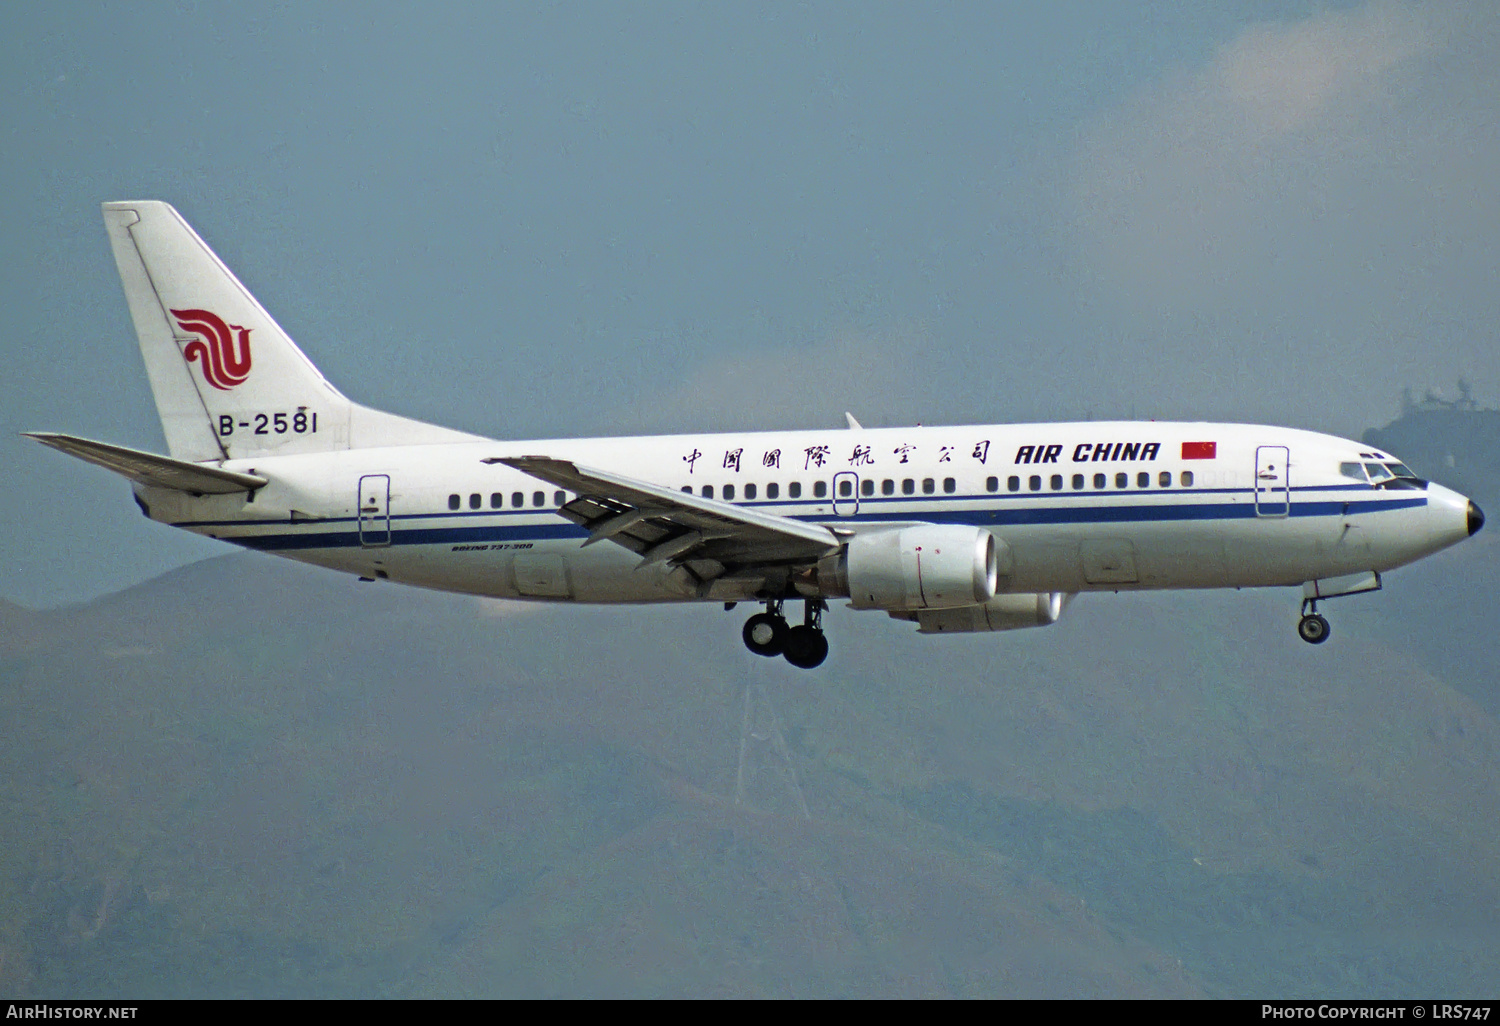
[
  {"x": 1355, "y": 471},
  {"x": 1393, "y": 475}
]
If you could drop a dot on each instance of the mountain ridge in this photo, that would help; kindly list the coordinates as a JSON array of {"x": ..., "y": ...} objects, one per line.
[{"x": 248, "y": 777}]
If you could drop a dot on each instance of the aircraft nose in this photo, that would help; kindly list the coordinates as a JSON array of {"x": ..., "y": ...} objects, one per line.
[{"x": 1476, "y": 519}]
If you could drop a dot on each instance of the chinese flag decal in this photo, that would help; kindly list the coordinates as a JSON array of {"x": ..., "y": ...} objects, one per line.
[{"x": 1199, "y": 450}]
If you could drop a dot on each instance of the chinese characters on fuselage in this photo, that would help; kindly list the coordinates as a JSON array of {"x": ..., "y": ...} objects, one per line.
[{"x": 863, "y": 455}]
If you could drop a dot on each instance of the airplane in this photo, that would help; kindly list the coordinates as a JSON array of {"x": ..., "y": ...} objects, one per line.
[{"x": 956, "y": 529}]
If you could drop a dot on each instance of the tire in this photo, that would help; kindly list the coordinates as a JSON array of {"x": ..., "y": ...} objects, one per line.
[
  {"x": 1313, "y": 629},
  {"x": 765, "y": 634},
  {"x": 806, "y": 647}
]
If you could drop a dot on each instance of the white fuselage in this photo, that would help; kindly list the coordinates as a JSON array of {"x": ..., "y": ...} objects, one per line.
[
  {"x": 1081, "y": 506},
  {"x": 957, "y": 529}
]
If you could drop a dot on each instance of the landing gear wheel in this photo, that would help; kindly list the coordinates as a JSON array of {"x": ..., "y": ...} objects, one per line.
[
  {"x": 765, "y": 634},
  {"x": 806, "y": 647},
  {"x": 1313, "y": 629}
]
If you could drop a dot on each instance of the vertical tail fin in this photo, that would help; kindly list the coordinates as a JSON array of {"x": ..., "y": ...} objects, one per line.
[{"x": 228, "y": 382}]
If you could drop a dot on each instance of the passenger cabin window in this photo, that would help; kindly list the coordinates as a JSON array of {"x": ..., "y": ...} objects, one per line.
[
  {"x": 708, "y": 491},
  {"x": 539, "y": 498},
  {"x": 454, "y": 502},
  {"x": 908, "y": 487},
  {"x": 794, "y": 490},
  {"x": 928, "y": 486},
  {"x": 773, "y": 490},
  {"x": 846, "y": 488},
  {"x": 949, "y": 485},
  {"x": 1013, "y": 483},
  {"x": 1164, "y": 479},
  {"x": 559, "y": 498},
  {"x": 729, "y": 493},
  {"x": 1122, "y": 480},
  {"x": 475, "y": 501},
  {"x": 1035, "y": 482},
  {"x": 992, "y": 484},
  {"x": 688, "y": 489},
  {"x": 1143, "y": 480},
  {"x": 820, "y": 488},
  {"x": 867, "y": 486},
  {"x": 1078, "y": 482},
  {"x": 749, "y": 491},
  {"x": 888, "y": 487},
  {"x": 1057, "y": 482},
  {"x": 1187, "y": 479},
  {"x": 497, "y": 500}
]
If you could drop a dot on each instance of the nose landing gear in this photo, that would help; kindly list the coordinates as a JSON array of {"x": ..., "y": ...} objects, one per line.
[
  {"x": 1312, "y": 628},
  {"x": 804, "y": 645}
]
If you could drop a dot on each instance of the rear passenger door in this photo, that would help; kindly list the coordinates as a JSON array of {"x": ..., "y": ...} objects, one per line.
[{"x": 374, "y": 511}]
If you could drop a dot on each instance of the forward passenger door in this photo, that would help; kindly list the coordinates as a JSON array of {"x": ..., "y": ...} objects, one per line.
[{"x": 1272, "y": 482}]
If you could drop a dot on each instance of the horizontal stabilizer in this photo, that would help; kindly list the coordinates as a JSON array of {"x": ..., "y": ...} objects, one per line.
[{"x": 150, "y": 469}]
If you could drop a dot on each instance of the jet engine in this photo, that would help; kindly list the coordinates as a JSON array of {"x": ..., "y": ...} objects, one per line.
[
  {"x": 926, "y": 566},
  {"x": 1001, "y": 613}
]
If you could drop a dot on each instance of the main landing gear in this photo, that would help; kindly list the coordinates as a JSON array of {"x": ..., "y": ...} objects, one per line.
[
  {"x": 1312, "y": 628},
  {"x": 804, "y": 645}
]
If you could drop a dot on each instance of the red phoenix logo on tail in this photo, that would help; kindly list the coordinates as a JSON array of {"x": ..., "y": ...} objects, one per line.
[{"x": 215, "y": 349}]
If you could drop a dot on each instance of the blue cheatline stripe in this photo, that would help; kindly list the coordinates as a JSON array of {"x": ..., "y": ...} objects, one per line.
[
  {"x": 867, "y": 500},
  {"x": 1134, "y": 514},
  {"x": 419, "y": 536},
  {"x": 282, "y": 542}
]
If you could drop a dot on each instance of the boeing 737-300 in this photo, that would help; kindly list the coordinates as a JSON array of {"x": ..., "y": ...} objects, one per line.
[{"x": 956, "y": 529}]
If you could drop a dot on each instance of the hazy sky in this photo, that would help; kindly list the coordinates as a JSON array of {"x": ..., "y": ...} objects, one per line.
[{"x": 615, "y": 218}]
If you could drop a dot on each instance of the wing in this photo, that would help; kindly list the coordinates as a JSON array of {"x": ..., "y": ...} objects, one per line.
[{"x": 709, "y": 538}]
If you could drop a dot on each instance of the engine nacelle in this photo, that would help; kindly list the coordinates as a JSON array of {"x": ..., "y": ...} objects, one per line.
[
  {"x": 1001, "y": 613},
  {"x": 929, "y": 566}
]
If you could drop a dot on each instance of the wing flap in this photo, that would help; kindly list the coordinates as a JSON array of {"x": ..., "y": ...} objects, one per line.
[{"x": 147, "y": 468}]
